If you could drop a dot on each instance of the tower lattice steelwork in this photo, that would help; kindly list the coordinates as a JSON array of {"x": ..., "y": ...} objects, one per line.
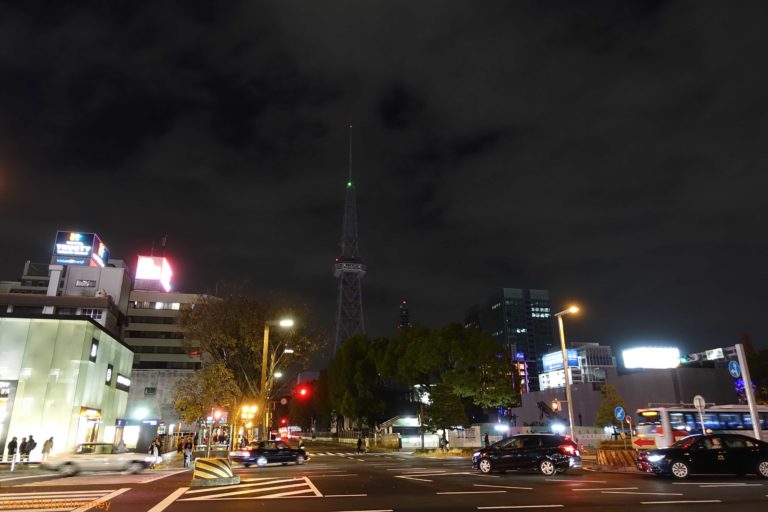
[{"x": 349, "y": 269}]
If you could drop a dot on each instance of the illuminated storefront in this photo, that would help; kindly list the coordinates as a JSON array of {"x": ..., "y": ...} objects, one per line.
[{"x": 63, "y": 378}]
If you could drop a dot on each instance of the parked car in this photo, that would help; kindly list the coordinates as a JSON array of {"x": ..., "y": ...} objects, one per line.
[
  {"x": 268, "y": 452},
  {"x": 546, "y": 453},
  {"x": 96, "y": 457},
  {"x": 722, "y": 453}
]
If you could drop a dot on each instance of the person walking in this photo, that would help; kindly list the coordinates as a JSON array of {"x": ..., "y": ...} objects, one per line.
[
  {"x": 367, "y": 444},
  {"x": 47, "y": 447},
  {"x": 359, "y": 443},
  {"x": 22, "y": 449},
  {"x": 486, "y": 441},
  {"x": 154, "y": 451},
  {"x": 31, "y": 444},
  {"x": 13, "y": 445},
  {"x": 187, "y": 452},
  {"x": 121, "y": 448}
]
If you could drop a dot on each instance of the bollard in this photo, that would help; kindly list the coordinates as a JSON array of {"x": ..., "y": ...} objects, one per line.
[{"x": 213, "y": 471}]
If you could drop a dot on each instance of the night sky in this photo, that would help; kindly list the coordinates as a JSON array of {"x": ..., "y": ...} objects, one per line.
[{"x": 611, "y": 152}]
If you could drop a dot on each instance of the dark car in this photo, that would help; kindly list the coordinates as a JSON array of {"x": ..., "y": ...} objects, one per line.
[
  {"x": 724, "y": 453},
  {"x": 546, "y": 453},
  {"x": 268, "y": 452}
]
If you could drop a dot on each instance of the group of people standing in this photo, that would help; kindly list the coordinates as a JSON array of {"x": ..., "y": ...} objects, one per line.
[
  {"x": 24, "y": 449},
  {"x": 186, "y": 446}
]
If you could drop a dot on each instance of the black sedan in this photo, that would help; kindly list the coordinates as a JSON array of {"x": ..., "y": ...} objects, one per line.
[
  {"x": 546, "y": 453},
  {"x": 722, "y": 453},
  {"x": 268, "y": 452}
]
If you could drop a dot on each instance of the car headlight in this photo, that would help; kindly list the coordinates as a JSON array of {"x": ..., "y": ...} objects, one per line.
[
  {"x": 476, "y": 454},
  {"x": 655, "y": 458}
]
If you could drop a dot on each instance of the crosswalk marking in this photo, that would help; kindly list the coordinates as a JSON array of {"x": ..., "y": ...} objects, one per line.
[{"x": 265, "y": 488}]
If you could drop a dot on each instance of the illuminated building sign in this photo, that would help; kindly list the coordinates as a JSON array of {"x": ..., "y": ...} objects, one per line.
[
  {"x": 651, "y": 357},
  {"x": 108, "y": 379},
  {"x": 554, "y": 360},
  {"x": 94, "y": 350},
  {"x": 123, "y": 383},
  {"x": 155, "y": 269},
  {"x": 74, "y": 248}
]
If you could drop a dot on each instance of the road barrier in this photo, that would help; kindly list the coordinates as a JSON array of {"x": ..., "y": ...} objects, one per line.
[
  {"x": 617, "y": 460},
  {"x": 210, "y": 472}
]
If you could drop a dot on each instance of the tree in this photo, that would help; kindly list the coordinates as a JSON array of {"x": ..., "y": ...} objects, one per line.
[
  {"x": 758, "y": 370},
  {"x": 212, "y": 386},
  {"x": 445, "y": 410},
  {"x": 228, "y": 332},
  {"x": 609, "y": 400},
  {"x": 353, "y": 381}
]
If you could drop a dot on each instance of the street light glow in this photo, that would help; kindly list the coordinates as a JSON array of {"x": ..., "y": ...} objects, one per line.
[
  {"x": 573, "y": 309},
  {"x": 278, "y": 375},
  {"x": 286, "y": 322},
  {"x": 288, "y": 351}
]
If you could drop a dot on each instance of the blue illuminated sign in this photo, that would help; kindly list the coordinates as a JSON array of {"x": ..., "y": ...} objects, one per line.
[{"x": 554, "y": 360}]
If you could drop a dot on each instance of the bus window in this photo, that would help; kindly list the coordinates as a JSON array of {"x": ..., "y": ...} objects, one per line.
[
  {"x": 731, "y": 421},
  {"x": 711, "y": 421},
  {"x": 649, "y": 418}
]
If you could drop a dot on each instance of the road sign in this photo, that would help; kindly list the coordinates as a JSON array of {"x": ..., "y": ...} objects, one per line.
[
  {"x": 734, "y": 370},
  {"x": 699, "y": 403},
  {"x": 619, "y": 413},
  {"x": 628, "y": 419}
]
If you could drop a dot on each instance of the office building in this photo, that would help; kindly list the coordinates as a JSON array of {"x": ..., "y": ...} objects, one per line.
[{"x": 522, "y": 320}]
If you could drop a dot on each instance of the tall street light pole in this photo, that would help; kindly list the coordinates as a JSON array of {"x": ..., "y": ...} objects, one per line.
[
  {"x": 569, "y": 400},
  {"x": 286, "y": 322}
]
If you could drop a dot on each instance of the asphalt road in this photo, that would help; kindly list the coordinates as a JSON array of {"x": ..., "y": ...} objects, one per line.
[{"x": 335, "y": 481}]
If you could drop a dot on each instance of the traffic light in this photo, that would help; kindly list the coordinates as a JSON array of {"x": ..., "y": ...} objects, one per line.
[
  {"x": 303, "y": 392},
  {"x": 283, "y": 421}
]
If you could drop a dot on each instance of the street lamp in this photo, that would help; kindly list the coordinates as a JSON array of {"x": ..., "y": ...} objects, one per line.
[
  {"x": 264, "y": 416},
  {"x": 571, "y": 310}
]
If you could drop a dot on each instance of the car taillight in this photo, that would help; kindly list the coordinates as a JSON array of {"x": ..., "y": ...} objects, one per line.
[{"x": 567, "y": 449}]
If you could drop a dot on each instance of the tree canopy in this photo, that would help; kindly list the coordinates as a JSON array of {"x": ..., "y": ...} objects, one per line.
[{"x": 609, "y": 400}]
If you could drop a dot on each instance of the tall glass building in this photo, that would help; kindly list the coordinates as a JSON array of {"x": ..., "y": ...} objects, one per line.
[{"x": 522, "y": 320}]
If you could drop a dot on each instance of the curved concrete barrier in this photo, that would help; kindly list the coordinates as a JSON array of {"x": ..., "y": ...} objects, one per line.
[{"x": 211, "y": 472}]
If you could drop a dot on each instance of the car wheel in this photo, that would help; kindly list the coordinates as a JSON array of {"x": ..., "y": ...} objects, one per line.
[
  {"x": 68, "y": 469},
  {"x": 485, "y": 466},
  {"x": 261, "y": 462},
  {"x": 135, "y": 467},
  {"x": 299, "y": 459},
  {"x": 547, "y": 467},
  {"x": 679, "y": 469},
  {"x": 762, "y": 468},
  {"x": 247, "y": 464}
]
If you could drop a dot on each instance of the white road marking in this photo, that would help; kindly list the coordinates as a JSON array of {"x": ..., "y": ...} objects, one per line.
[
  {"x": 730, "y": 485},
  {"x": 25, "y": 477},
  {"x": 652, "y": 493},
  {"x": 504, "y": 487},
  {"x": 606, "y": 489},
  {"x": 471, "y": 492},
  {"x": 57, "y": 493},
  {"x": 331, "y": 476},
  {"x": 408, "y": 469},
  {"x": 153, "y": 479},
  {"x": 168, "y": 500},
  {"x": 372, "y": 510},
  {"x": 498, "y": 507},
  {"x": 265, "y": 481},
  {"x": 343, "y": 495},
  {"x": 107, "y": 497},
  {"x": 710, "y": 483},
  {"x": 680, "y": 502},
  {"x": 575, "y": 480}
]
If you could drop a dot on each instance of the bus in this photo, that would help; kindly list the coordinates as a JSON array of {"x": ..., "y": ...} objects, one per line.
[{"x": 661, "y": 426}]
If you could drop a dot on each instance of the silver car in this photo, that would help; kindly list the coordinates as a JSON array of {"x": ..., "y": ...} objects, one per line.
[{"x": 96, "y": 457}]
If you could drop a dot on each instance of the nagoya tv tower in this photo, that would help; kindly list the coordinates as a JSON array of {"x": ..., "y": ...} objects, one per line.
[{"x": 349, "y": 269}]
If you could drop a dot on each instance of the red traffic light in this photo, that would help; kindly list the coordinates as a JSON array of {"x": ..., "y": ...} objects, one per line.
[
  {"x": 283, "y": 421},
  {"x": 303, "y": 391}
]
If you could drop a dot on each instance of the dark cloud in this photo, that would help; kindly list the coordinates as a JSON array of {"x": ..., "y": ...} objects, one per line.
[{"x": 612, "y": 152}]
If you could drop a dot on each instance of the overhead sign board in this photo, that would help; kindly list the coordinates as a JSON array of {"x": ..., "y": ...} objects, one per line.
[
  {"x": 154, "y": 270},
  {"x": 554, "y": 360},
  {"x": 715, "y": 354},
  {"x": 651, "y": 357},
  {"x": 76, "y": 248}
]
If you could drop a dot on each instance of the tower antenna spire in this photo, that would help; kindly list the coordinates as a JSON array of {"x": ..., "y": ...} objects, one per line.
[
  {"x": 349, "y": 268},
  {"x": 349, "y": 131}
]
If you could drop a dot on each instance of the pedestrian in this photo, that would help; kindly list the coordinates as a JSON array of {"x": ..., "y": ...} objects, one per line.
[
  {"x": 180, "y": 445},
  {"x": 31, "y": 444},
  {"x": 23, "y": 448},
  {"x": 121, "y": 448},
  {"x": 367, "y": 444},
  {"x": 359, "y": 443},
  {"x": 154, "y": 451},
  {"x": 12, "y": 446},
  {"x": 47, "y": 447},
  {"x": 486, "y": 440},
  {"x": 187, "y": 452}
]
